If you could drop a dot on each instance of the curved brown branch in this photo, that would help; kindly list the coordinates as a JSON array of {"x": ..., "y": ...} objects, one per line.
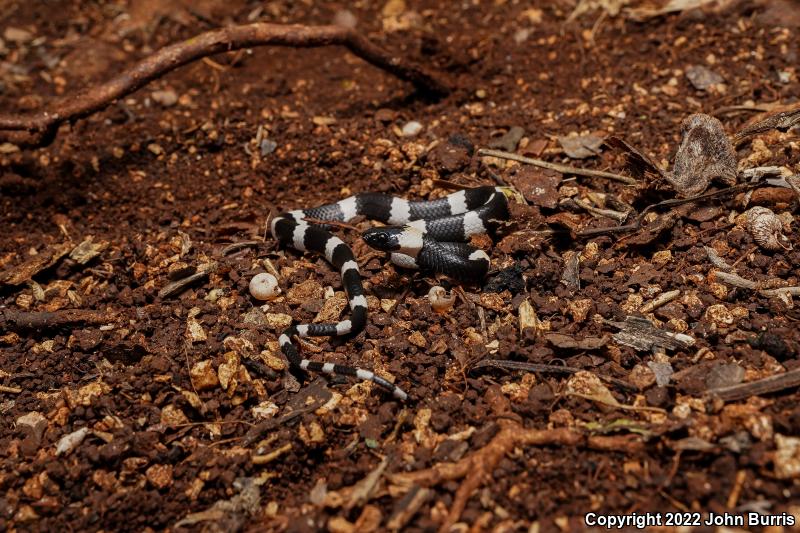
[
  {"x": 477, "y": 468},
  {"x": 42, "y": 126}
]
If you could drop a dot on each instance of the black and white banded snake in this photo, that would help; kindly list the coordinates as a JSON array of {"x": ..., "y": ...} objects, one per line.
[{"x": 429, "y": 235}]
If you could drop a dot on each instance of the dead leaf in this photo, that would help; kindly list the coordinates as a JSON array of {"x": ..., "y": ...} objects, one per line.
[
  {"x": 588, "y": 386},
  {"x": 581, "y": 146},
  {"x": 87, "y": 250},
  {"x": 705, "y": 154}
]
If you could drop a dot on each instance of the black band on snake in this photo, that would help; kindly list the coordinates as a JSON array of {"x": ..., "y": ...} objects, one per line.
[{"x": 428, "y": 235}]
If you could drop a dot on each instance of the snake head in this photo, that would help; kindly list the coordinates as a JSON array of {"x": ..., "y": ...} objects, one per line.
[
  {"x": 385, "y": 239},
  {"x": 404, "y": 239}
]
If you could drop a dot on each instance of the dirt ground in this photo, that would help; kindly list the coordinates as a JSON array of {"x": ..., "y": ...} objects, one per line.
[{"x": 150, "y": 409}]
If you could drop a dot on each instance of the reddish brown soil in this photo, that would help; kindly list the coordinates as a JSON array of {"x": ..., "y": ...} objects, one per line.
[{"x": 146, "y": 180}]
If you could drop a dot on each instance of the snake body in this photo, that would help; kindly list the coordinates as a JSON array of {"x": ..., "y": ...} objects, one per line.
[{"x": 429, "y": 235}]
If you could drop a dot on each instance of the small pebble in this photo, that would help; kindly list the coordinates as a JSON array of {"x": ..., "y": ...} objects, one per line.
[
  {"x": 323, "y": 121},
  {"x": 17, "y": 35},
  {"x": 520, "y": 36},
  {"x": 345, "y": 19},
  {"x": 166, "y": 98},
  {"x": 268, "y": 146},
  {"x": 411, "y": 129},
  {"x": 702, "y": 77},
  {"x": 8, "y": 148},
  {"x": 69, "y": 442},
  {"x": 385, "y": 115}
]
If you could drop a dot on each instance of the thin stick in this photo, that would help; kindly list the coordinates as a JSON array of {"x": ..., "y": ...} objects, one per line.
[
  {"x": 44, "y": 124},
  {"x": 743, "y": 283},
  {"x": 739, "y": 109},
  {"x": 564, "y": 169},
  {"x": 553, "y": 369},
  {"x": 619, "y": 216},
  {"x": 477, "y": 468},
  {"x": 673, "y": 202},
  {"x": 745, "y": 254},
  {"x": 11, "y": 320},
  {"x": 781, "y": 121},
  {"x": 758, "y": 387},
  {"x": 663, "y": 299},
  {"x": 236, "y": 246},
  {"x": 332, "y": 223},
  {"x": 177, "y": 286}
]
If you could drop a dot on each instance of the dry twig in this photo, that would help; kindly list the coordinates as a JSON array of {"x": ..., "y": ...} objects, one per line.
[
  {"x": 11, "y": 320},
  {"x": 177, "y": 286},
  {"x": 477, "y": 467},
  {"x": 564, "y": 169},
  {"x": 755, "y": 388},
  {"x": 42, "y": 126},
  {"x": 782, "y": 121},
  {"x": 660, "y": 300},
  {"x": 619, "y": 216},
  {"x": 545, "y": 368},
  {"x": 672, "y": 202},
  {"x": 743, "y": 283}
]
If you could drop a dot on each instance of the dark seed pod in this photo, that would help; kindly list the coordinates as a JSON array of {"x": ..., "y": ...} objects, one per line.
[{"x": 705, "y": 154}]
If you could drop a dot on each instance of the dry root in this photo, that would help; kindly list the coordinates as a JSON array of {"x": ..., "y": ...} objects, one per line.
[{"x": 39, "y": 129}]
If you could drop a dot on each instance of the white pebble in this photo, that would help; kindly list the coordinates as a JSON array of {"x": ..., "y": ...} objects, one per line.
[
  {"x": 67, "y": 443},
  {"x": 441, "y": 300},
  {"x": 345, "y": 19},
  {"x": 268, "y": 146},
  {"x": 520, "y": 36},
  {"x": 166, "y": 98},
  {"x": 264, "y": 287},
  {"x": 411, "y": 129}
]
